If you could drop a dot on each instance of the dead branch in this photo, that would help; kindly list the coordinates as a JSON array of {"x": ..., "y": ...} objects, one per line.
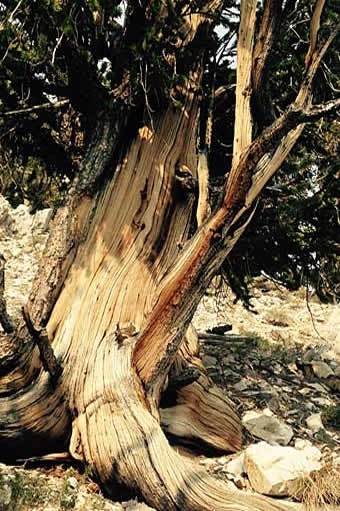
[
  {"x": 315, "y": 112},
  {"x": 47, "y": 356},
  {"x": 218, "y": 339}
]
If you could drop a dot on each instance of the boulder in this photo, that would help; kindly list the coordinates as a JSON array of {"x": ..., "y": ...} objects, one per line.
[
  {"x": 268, "y": 427},
  {"x": 276, "y": 470},
  {"x": 242, "y": 385}
]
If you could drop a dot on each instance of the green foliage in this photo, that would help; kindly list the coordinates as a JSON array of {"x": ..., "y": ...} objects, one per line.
[
  {"x": 331, "y": 416},
  {"x": 25, "y": 493}
]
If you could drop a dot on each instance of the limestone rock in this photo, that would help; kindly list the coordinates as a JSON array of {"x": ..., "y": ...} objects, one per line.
[
  {"x": 41, "y": 221},
  {"x": 275, "y": 470},
  {"x": 314, "y": 422},
  {"x": 301, "y": 443},
  {"x": 268, "y": 427},
  {"x": 6, "y": 221},
  {"x": 236, "y": 466}
]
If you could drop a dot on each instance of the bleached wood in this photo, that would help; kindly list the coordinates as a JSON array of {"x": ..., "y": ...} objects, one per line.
[
  {"x": 203, "y": 208},
  {"x": 314, "y": 29},
  {"x": 190, "y": 418},
  {"x": 243, "y": 117}
]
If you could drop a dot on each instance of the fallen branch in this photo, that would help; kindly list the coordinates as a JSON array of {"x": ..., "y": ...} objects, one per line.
[{"x": 217, "y": 339}]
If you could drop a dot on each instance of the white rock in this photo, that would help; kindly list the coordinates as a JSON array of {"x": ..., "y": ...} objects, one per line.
[
  {"x": 266, "y": 425},
  {"x": 321, "y": 369},
  {"x": 72, "y": 482},
  {"x": 305, "y": 391},
  {"x": 41, "y": 220},
  {"x": 314, "y": 422},
  {"x": 321, "y": 401},
  {"x": 236, "y": 466},
  {"x": 301, "y": 443},
  {"x": 317, "y": 387},
  {"x": 5, "y": 496},
  {"x": 276, "y": 470},
  {"x": 22, "y": 239}
]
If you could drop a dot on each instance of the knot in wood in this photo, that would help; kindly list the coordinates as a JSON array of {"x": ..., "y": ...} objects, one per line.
[
  {"x": 185, "y": 183},
  {"x": 125, "y": 331}
]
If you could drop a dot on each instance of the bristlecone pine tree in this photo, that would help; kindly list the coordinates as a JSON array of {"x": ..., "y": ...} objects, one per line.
[{"x": 106, "y": 332}]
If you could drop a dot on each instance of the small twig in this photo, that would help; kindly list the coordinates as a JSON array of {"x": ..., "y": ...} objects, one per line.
[
  {"x": 11, "y": 17},
  {"x": 56, "y": 457},
  {"x": 47, "y": 355},
  {"x": 145, "y": 89},
  {"x": 56, "y": 47},
  {"x": 5, "y": 319},
  {"x": 311, "y": 315}
]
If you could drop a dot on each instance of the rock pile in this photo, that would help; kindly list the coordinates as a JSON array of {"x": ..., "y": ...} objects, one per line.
[
  {"x": 292, "y": 410},
  {"x": 22, "y": 239}
]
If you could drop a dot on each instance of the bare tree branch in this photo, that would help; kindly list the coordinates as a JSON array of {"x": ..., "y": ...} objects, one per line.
[
  {"x": 263, "y": 109},
  {"x": 268, "y": 30},
  {"x": 315, "y": 112},
  {"x": 313, "y": 65},
  {"x": 43, "y": 106},
  {"x": 243, "y": 117},
  {"x": 314, "y": 29},
  {"x": 47, "y": 355}
]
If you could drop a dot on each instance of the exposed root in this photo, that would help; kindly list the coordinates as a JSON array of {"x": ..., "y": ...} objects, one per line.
[
  {"x": 126, "y": 443},
  {"x": 203, "y": 413}
]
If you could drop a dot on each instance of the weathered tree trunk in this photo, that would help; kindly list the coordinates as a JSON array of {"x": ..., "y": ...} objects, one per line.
[
  {"x": 118, "y": 286},
  {"x": 107, "y": 328}
]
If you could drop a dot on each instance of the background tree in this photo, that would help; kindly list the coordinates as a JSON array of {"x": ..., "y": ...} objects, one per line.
[{"x": 138, "y": 115}]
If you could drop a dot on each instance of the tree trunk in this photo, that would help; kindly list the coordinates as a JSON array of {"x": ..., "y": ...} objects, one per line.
[{"x": 114, "y": 341}]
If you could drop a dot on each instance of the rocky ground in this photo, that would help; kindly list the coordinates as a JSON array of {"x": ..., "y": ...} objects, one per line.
[{"x": 281, "y": 368}]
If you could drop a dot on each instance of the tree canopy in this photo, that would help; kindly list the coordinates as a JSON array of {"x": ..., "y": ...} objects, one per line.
[{"x": 64, "y": 61}]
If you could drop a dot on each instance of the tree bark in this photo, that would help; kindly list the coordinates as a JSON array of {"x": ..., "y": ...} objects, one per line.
[
  {"x": 103, "y": 311},
  {"x": 116, "y": 292}
]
